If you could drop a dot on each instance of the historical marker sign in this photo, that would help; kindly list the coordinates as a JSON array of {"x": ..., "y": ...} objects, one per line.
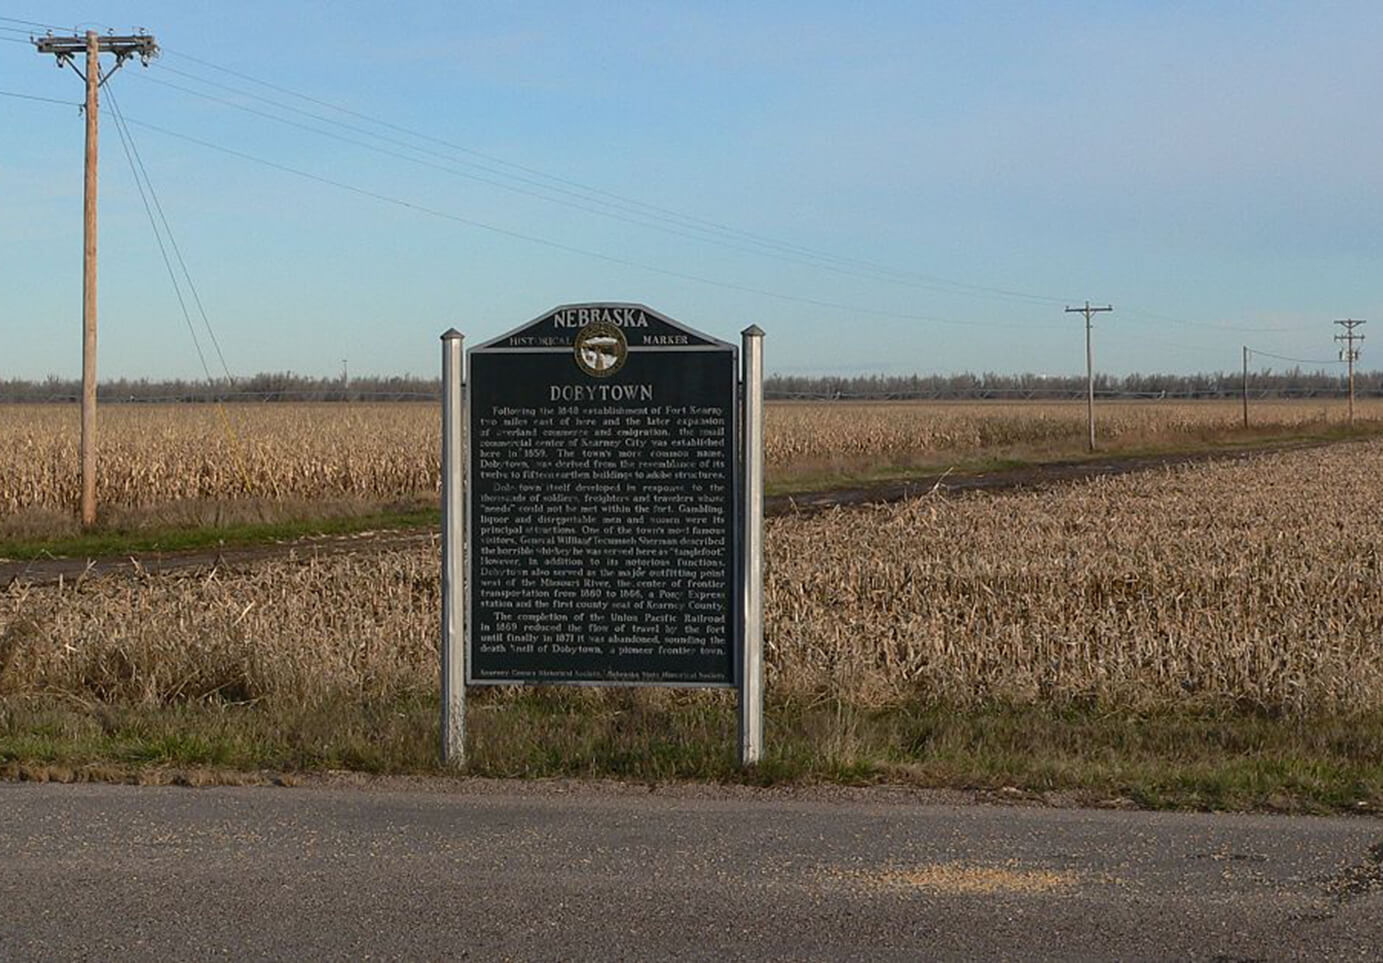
[{"x": 602, "y": 502}]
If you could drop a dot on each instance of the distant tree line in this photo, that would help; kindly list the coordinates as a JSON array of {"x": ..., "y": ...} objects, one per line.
[
  {"x": 271, "y": 386},
  {"x": 287, "y": 386},
  {"x": 1288, "y": 383}
]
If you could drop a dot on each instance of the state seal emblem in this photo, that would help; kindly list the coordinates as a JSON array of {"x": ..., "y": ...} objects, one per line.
[{"x": 600, "y": 349}]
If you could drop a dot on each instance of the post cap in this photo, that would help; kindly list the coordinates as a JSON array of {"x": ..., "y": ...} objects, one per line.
[
  {"x": 451, "y": 334},
  {"x": 753, "y": 331}
]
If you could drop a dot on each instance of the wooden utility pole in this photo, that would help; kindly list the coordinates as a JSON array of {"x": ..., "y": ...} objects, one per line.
[
  {"x": 1246, "y": 386},
  {"x": 1351, "y": 354},
  {"x": 93, "y": 112},
  {"x": 1088, "y": 311},
  {"x": 65, "y": 49}
]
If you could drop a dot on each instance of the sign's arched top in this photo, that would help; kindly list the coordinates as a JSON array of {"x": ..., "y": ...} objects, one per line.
[{"x": 642, "y": 328}]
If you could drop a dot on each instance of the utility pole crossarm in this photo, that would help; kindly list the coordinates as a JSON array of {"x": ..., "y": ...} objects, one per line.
[
  {"x": 65, "y": 49},
  {"x": 141, "y": 45}
]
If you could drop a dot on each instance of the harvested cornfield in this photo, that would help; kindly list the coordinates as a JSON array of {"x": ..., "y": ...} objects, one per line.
[
  {"x": 160, "y": 455},
  {"x": 296, "y": 630},
  {"x": 157, "y": 455},
  {"x": 1255, "y": 583},
  {"x": 802, "y": 435}
]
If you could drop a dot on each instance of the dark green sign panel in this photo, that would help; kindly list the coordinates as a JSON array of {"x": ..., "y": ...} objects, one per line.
[{"x": 602, "y": 486}]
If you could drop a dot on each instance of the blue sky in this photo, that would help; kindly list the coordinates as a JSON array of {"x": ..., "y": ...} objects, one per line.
[{"x": 883, "y": 187}]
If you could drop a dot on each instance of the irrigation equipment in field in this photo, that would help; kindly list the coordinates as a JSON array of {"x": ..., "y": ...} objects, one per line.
[{"x": 608, "y": 526}]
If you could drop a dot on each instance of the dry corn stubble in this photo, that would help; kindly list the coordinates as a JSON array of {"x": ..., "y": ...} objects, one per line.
[
  {"x": 155, "y": 456},
  {"x": 1250, "y": 583},
  {"x": 1256, "y": 583},
  {"x": 152, "y": 455},
  {"x": 301, "y": 630},
  {"x": 865, "y": 434}
]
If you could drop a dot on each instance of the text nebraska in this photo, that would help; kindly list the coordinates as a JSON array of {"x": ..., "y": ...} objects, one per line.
[
  {"x": 601, "y": 392},
  {"x": 624, "y": 317}
]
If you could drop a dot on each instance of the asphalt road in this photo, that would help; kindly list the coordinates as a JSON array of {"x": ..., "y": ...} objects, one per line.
[{"x": 451, "y": 870}]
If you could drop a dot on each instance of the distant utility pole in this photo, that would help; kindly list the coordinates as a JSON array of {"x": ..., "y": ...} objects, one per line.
[
  {"x": 1350, "y": 353},
  {"x": 66, "y": 50},
  {"x": 1246, "y": 386},
  {"x": 1088, "y": 311}
]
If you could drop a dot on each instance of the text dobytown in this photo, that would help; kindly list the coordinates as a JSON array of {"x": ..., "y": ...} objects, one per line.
[{"x": 600, "y": 392}]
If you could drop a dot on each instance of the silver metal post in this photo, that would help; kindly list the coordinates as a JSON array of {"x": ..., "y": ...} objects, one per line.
[
  {"x": 751, "y": 667},
  {"x": 453, "y": 551}
]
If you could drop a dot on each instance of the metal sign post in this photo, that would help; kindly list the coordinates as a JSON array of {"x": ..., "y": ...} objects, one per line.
[
  {"x": 453, "y": 551},
  {"x": 752, "y": 458}
]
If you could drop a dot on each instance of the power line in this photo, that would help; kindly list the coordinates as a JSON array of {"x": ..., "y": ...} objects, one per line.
[
  {"x": 369, "y": 133},
  {"x": 661, "y": 217},
  {"x": 46, "y": 100},
  {"x": 31, "y": 23},
  {"x": 1198, "y": 349},
  {"x": 667, "y": 216},
  {"x": 133, "y": 149},
  {"x": 570, "y": 249},
  {"x": 132, "y": 154},
  {"x": 173, "y": 241},
  {"x": 688, "y": 220},
  {"x": 123, "y": 133},
  {"x": 585, "y": 189},
  {"x": 1280, "y": 357},
  {"x": 1208, "y": 324},
  {"x": 654, "y": 224},
  {"x": 708, "y": 230},
  {"x": 678, "y": 226}
]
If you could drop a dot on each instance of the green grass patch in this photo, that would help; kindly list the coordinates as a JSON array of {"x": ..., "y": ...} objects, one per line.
[
  {"x": 1184, "y": 759},
  {"x": 104, "y": 542}
]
